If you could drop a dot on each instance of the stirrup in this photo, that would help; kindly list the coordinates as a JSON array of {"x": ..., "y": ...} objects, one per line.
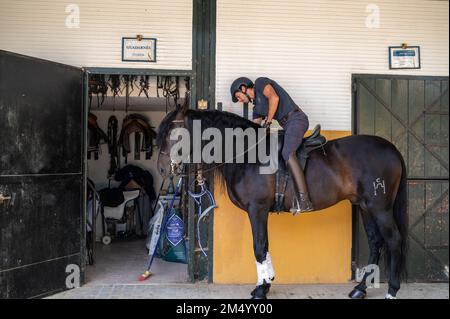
[{"x": 295, "y": 209}]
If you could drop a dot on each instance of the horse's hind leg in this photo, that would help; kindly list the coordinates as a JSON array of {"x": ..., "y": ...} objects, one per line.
[
  {"x": 375, "y": 244},
  {"x": 258, "y": 219},
  {"x": 391, "y": 235}
]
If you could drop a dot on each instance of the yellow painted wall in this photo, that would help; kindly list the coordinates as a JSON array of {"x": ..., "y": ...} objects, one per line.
[{"x": 307, "y": 248}]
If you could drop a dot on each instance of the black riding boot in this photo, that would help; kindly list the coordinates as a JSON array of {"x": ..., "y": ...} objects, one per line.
[{"x": 300, "y": 186}]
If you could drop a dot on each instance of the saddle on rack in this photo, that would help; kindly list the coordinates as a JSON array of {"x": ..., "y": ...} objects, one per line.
[{"x": 138, "y": 124}]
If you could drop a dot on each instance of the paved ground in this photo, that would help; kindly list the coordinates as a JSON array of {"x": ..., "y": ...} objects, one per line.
[
  {"x": 123, "y": 261},
  {"x": 213, "y": 291}
]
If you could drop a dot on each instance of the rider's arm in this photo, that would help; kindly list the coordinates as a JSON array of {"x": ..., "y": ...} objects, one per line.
[{"x": 273, "y": 98}]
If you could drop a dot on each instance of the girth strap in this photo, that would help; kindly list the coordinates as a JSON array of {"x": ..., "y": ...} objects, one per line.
[{"x": 281, "y": 180}]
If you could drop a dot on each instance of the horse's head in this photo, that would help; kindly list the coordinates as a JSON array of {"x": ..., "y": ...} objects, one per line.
[{"x": 167, "y": 162}]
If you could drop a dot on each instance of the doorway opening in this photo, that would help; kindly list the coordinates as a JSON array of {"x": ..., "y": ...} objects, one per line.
[{"x": 125, "y": 193}]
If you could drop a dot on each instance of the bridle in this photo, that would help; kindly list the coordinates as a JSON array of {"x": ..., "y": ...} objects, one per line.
[{"x": 175, "y": 167}]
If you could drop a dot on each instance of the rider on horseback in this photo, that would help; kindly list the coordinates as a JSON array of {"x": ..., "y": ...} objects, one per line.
[{"x": 271, "y": 101}]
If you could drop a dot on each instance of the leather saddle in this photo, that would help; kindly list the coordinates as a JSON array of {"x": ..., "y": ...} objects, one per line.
[
  {"x": 138, "y": 124},
  {"x": 96, "y": 136},
  {"x": 314, "y": 141}
]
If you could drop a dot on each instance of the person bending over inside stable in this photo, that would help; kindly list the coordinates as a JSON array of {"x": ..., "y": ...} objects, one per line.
[{"x": 271, "y": 102}]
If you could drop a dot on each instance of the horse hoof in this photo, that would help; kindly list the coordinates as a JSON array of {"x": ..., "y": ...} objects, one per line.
[
  {"x": 260, "y": 292},
  {"x": 266, "y": 289},
  {"x": 389, "y": 296},
  {"x": 357, "y": 294},
  {"x": 256, "y": 298}
]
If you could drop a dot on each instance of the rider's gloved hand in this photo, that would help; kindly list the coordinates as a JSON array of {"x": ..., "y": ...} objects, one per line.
[{"x": 267, "y": 126}]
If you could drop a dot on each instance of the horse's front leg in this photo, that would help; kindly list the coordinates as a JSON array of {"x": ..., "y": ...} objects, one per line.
[{"x": 258, "y": 219}]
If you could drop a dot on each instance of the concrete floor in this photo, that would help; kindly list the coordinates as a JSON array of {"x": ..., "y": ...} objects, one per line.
[
  {"x": 118, "y": 266},
  {"x": 122, "y": 262},
  {"x": 202, "y": 291}
]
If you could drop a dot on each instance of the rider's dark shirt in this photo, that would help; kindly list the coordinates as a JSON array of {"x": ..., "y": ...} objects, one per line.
[{"x": 261, "y": 102}]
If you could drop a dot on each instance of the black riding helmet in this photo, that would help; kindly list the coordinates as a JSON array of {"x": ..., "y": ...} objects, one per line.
[{"x": 236, "y": 86}]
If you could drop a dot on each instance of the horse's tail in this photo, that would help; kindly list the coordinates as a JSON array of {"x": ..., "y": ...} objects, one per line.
[{"x": 401, "y": 219}]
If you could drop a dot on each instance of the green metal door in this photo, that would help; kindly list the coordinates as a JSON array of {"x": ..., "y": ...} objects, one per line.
[{"x": 412, "y": 113}]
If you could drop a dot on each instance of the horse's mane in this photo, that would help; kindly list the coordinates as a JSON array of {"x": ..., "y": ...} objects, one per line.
[
  {"x": 209, "y": 118},
  {"x": 220, "y": 120}
]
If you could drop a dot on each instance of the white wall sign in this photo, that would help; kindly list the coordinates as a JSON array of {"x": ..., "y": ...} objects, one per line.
[
  {"x": 135, "y": 50},
  {"x": 404, "y": 57}
]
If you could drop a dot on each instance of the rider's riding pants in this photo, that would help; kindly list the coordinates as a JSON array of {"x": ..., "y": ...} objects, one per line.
[{"x": 294, "y": 129}]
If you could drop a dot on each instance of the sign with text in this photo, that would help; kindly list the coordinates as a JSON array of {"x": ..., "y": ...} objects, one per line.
[
  {"x": 139, "y": 50},
  {"x": 404, "y": 57}
]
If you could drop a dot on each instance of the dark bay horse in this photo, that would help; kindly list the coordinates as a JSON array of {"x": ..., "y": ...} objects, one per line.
[{"x": 366, "y": 170}]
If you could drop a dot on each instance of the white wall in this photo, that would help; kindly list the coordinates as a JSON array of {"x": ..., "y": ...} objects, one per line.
[
  {"x": 312, "y": 47},
  {"x": 38, "y": 28}
]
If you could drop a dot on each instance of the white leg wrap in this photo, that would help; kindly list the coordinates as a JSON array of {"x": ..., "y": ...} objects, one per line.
[
  {"x": 270, "y": 266},
  {"x": 389, "y": 296},
  {"x": 262, "y": 270}
]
